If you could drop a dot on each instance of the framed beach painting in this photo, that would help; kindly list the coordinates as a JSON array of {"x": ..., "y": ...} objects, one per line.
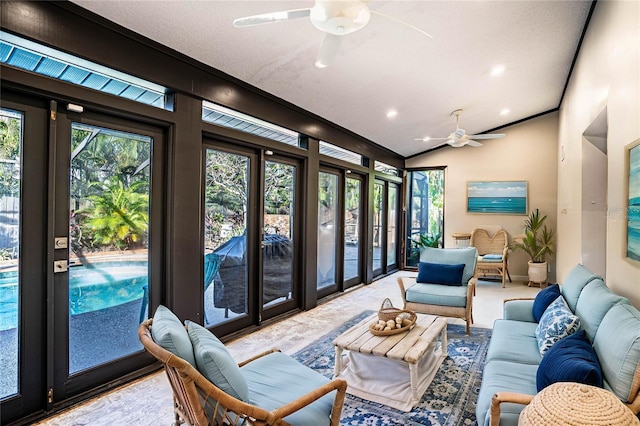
[
  {"x": 633, "y": 196},
  {"x": 497, "y": 197}
]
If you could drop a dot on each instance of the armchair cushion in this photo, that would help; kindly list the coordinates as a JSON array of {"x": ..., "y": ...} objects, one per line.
[
  {"x": 169, "y": 333},
  {"x": 543, "y": 300},
  {"x": 556, "y": 323},
  {"x": 436, "y": 294},
  {"x": 491, "y": 258},
  {"x": 292, "y": 380},
  {"x": 572, "y": 359},
  {"x": 438, "y": 273},
  {"x": 214, "y": 361}
]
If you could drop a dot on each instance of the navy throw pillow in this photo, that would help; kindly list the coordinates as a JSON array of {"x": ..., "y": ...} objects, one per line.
[
  {"x": 572, "y": 359},
  {"x": 543, "y": 300},
  {"x": 438, "y": 273}
]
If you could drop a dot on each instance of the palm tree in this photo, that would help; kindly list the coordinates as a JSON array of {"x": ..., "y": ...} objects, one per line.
[{"x": 119, "y": 215}]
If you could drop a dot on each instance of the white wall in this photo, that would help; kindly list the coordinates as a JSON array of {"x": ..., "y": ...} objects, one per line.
[
  {"x": 606, "y": 73},
  {"x": 528, "y": 152}
]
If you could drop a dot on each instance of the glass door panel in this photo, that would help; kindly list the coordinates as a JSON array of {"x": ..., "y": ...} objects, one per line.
[
  {"x": 425, "y": 212},
  {"x": 352, "y": 225},
  {"x": 327, "y": 228},
  {"x": 392, "y": 229},
  {"x": 378, "y": 225},
  {"x": 11, "y": 125},
  {"x": 278, "y": 237},
  {"x": 225, "y": 236},
  {"x": 109, "y": 215}
]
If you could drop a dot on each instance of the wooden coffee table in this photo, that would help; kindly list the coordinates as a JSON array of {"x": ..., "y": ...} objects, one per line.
[{"x": 392, "y": 370}]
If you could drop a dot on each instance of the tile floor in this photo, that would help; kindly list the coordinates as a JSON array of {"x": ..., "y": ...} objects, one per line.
[{"x": 148, "y": 401}]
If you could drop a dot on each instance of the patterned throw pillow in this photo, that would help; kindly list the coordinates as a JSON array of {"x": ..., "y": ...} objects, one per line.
[{"x": 556, "y": 323}]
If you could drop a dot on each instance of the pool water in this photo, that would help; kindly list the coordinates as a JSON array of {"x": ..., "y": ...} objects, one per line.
[{"x": 91, "y": 288}]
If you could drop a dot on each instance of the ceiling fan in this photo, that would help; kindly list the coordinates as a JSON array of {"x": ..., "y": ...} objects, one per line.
[
  {"x": 334, "y": 17},
  {"x": 459, "y": 137}
]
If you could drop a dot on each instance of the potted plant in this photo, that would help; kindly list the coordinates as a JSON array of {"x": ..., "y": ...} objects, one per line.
[{"x": 537, "y": 242}]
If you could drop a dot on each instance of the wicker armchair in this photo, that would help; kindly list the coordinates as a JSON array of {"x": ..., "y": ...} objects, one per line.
[
  {"x": 493, "y": 253},
  {"x": 443, "y": 300},
  {"x": 199, "y": 402}
]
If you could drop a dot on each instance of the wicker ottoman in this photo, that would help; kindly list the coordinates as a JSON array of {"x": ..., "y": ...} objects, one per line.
[{"x": 576, "y": 404}]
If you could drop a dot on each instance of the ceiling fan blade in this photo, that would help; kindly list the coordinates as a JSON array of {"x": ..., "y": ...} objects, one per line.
[
  {"x": 328, "y": 50},
  {"x": 488, "y": 136},
  {"x": 402, "y": 22},
  {"x": 473, "y": 143},
  {"x": 427, "y": 139},
  {"x": 268, "y": 18}
]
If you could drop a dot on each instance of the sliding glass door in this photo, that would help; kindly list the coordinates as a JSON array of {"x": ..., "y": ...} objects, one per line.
[
  {"x": 352, "y": 234},
  {"x": 425, "y": 212},
  {"x": 76, "y": 259},
  {"x": 249, "y": 260},
  {"x": 386, "y": 225},
  {"x": 328, "y": 222},
  {"x": 340, "y": 244}
]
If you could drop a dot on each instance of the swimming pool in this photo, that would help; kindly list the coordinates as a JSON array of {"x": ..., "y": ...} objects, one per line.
[{"x": 91, "y": 288}]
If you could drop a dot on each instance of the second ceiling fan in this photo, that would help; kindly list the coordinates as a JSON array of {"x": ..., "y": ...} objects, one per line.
[
  {"x": 335, "y": 18},
  {"x": 459, "y": 137}
]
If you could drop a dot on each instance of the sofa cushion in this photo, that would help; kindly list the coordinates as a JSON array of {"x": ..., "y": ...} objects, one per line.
[
  {"x": 543, "y": 300},
  {"x": 214, "y": 362},
  {"x": 514, "y": 341},
  {"x": 617, "y": 344},
  {"x": 440, "y": 273},
  {"x": 504, "y": 376},
  {"x": 436, "y": 294},
  {"x": 452, "y": 256},
  {"x": 556, "y": 323},
  {"x": 594, "y": 302},
  {"x": 277, "y": 379},
  {"x": 168, "y": 332},
  {"x": 574, "y": 283},
  {"x": 572, "y": 359}
]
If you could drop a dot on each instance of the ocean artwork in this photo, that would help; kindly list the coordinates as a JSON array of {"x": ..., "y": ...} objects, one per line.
[
  {"x": 497, "y": 197},
  {"x": 633, "y": 212}
]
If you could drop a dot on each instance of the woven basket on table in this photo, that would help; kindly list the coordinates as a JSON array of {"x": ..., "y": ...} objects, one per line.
[
  {"x": 388, "y": 312},
  {"x": 567, "y": 403}
]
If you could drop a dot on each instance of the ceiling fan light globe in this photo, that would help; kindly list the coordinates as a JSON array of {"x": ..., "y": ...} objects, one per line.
[{"x": 338, "y": 17}]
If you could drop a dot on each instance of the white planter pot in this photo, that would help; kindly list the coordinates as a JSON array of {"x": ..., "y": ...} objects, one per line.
[{"x": 538, "y": 272}]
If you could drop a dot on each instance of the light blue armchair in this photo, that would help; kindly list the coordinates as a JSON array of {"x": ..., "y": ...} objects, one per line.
[{"x": 444, "y": 285}]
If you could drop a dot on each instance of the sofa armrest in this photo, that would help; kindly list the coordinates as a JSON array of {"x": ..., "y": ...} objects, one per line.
[
  {"x": 518, "y": 310},
  {"x": 500, "y": 397}
]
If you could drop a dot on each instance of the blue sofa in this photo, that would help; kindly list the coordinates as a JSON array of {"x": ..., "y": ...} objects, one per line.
[{"x": 611, "y": 323}]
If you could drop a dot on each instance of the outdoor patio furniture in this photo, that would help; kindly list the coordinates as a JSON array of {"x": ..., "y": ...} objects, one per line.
[
  {"x": 281, "y": 390},
  {"x": 230, "y": 288}
]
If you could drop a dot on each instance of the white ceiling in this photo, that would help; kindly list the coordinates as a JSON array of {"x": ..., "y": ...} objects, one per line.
[{"x": 385, "y": 65}]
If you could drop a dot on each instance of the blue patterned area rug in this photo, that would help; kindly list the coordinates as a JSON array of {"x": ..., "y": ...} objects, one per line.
[{"x": 449, "y": 400}]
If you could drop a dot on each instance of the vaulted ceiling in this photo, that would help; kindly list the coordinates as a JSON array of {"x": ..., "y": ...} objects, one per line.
[{"x": 385, "y": 66}]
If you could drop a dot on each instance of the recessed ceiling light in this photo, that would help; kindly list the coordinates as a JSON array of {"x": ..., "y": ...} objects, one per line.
[
  {"x": 392, "y": 113},
  {"x": 505, "y": 111},
  {"x": 497, "y": 71}
]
